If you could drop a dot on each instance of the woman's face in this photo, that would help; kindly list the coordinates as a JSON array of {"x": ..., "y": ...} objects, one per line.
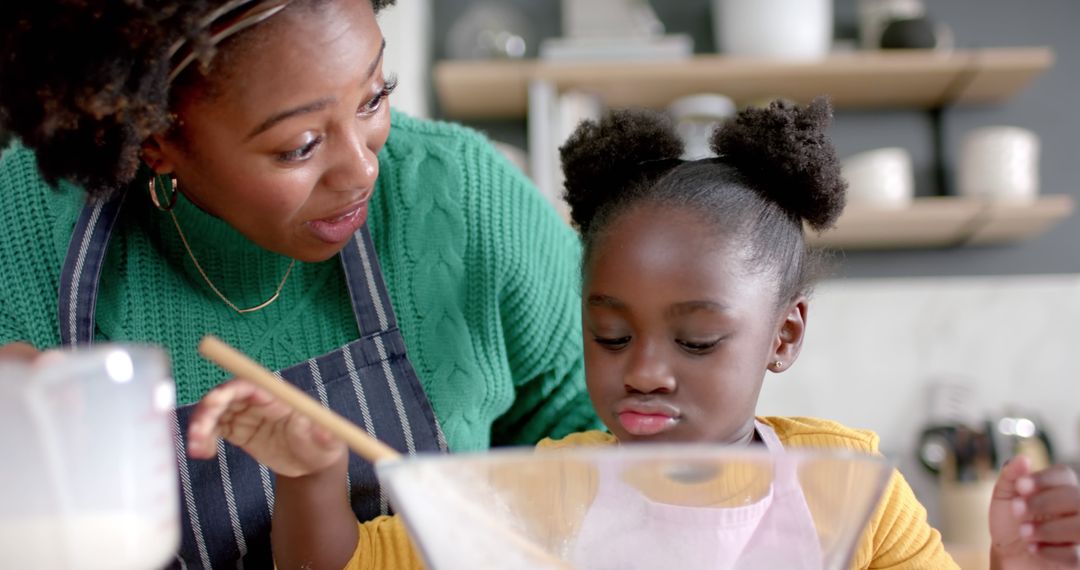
[
  {"x": 678, "y": 334},
  {"x": 283, "y": 144}
]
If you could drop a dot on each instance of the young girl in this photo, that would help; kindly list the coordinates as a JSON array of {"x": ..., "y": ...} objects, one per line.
[{"x": 695, "y": 283}]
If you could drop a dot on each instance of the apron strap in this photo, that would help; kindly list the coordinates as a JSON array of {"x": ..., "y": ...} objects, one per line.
[
  {"x": 82, "y": 268},
  {"x": 768, "y": 436},
  {"x": 367, "y": 291},
  {"x": 374, "y": 314}
]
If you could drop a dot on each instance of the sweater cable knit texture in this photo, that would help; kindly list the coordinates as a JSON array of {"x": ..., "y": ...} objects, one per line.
[{"x": 482, "y": 273}]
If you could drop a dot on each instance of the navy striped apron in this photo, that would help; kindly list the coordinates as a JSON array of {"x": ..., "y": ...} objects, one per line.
[{"x": 226, "y": 504}]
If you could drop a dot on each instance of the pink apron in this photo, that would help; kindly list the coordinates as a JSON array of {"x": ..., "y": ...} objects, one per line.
[{"x": 625, "y": 529}]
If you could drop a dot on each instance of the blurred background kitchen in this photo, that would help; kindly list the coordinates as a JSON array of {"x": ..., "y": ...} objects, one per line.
[{"x": 950, "y": 326}]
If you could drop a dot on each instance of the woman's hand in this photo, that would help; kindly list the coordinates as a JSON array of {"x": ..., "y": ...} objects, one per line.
[
  {"x": 264, "y": 427},
  {"x": 1035, "y": 518},
  {"x": 313, "y": 525}
]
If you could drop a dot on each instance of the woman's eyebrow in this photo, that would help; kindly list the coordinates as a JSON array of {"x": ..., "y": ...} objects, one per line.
[{"x": 313, "y": 106}]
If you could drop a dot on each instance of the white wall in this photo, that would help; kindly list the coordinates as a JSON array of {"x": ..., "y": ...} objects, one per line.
[
  {"x": 874, "y": 348},
  {"x": 407, "y": 29}
]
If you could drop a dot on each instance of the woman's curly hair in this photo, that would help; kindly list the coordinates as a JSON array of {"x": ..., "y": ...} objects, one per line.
[
  {"x": 84, "y": 82},
  {"x": 774, "y": 170}
]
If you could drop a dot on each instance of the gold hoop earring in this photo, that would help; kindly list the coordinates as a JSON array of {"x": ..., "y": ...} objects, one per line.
[{"x": 172, "y": 197}]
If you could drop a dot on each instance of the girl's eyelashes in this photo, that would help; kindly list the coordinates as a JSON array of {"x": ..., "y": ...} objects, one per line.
[
  {"x": 698, "y": 347},
  {"x": 375, "y": 103},
  {"x": 693, "y": 347},
  {"x": 610, "y": 343}
]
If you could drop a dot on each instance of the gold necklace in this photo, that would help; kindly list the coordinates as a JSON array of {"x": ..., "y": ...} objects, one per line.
[{"x": 263, "y": 305}]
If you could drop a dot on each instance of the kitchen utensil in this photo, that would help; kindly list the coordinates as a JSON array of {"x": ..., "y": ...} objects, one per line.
[
  {"x": 916, "y": 33},
  {"x": 1021, "y": 434},
  {"x": 371, "y": 449},
  {"x": 963, "y": 460},
  {"x": 874, "y": 15},
  {"x": 89, "y": 476},
  {"x": 957, "y": 453},
  {"x": 965, "y": 512},
  {"x": 645, "y": 506}
]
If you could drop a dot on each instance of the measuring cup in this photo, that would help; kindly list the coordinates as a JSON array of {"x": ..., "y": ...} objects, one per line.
[{"x": 87, "y": 449}]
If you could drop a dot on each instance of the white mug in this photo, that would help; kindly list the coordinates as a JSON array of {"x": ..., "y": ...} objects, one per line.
[
  {"x": 790, "y": 29},
  {"x": 1000, "y": 163},
  {"x": 880, "y": 178}
]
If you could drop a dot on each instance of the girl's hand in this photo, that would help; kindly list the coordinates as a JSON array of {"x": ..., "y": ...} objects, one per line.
[
  {"x": 25, "y": 352},
  {"x": 18, "y": 351},
  {"x": 1035, "y": 518},
  {"x": 264, "y": 427}
]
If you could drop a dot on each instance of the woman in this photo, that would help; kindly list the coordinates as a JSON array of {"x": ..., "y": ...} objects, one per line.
[{"x": 232, "y": 151}]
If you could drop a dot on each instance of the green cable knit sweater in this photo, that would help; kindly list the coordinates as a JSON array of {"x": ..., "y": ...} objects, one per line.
[{"x": 482, "y": 273}]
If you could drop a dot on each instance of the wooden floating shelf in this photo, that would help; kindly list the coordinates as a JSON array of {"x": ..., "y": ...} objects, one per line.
[
  {"x": 866, "y": 79},
  {"x": 944, "y": 222}
]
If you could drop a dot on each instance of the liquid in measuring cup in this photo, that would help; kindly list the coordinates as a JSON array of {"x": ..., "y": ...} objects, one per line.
[{"x": 114, "y": 541}]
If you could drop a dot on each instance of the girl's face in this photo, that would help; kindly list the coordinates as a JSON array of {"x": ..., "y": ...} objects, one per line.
[
  {"x": 284, "y": 147},
  {"x": 678, "y": 334}
]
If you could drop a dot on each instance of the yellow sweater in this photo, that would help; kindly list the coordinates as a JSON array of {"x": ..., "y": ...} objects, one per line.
[{"x": 898, "y": 535}]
